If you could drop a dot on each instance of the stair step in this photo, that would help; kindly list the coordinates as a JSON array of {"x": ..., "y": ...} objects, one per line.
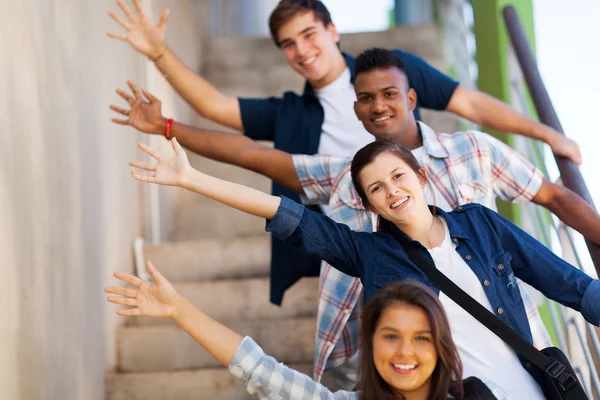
[
  {"x": 209, "y": 259},
  {"x": 213, "y": 384},
  {"x": 231, "y": 300},
  {"x": 160, "y": 348}
]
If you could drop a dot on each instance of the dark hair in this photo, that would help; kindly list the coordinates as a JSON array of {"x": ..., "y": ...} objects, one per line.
[
  {"x": 367, "y": 155},
  {"x": 376, "y": 58},
  {"x": 288, "y": 9},
  {"x": 447, "y": 375}
]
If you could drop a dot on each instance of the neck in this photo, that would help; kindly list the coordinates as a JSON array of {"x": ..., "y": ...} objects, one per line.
[
  {"x": 338, "y": 67},
  {"x": 409, "y": 137},
  {"x": 426, "y": 229}
]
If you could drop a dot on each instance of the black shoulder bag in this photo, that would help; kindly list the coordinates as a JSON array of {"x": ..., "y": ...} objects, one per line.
[{"x": 560, "y": 381}]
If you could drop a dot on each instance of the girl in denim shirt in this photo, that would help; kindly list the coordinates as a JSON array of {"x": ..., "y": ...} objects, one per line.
[{"x": 475, "y": 247}]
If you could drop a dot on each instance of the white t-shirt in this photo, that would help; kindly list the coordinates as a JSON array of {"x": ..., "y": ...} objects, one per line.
[
  {"x": 342, "y": 134},
  {"x": 434, "y": 198},
  {"x": 483, "y": 354}
]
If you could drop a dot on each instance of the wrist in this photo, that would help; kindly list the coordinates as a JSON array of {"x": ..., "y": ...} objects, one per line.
[
  {"x": 159, "y": 125},
  {"x": 179, "y": 309},
  {"x": 158, "y": 54}
]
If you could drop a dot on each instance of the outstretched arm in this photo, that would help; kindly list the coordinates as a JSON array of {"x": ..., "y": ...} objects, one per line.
[
  {"x": 160, "y": 300},
  {"x": 231, "y": 148},
  {"x": 175, "y": 170},
  {"x": 490, "y": 112},
  {"x": 245, "y": 359},
  {"x": 149, "y": 40}
]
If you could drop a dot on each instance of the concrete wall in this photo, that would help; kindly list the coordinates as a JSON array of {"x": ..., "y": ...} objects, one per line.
[{"x": 69, "y": 209}]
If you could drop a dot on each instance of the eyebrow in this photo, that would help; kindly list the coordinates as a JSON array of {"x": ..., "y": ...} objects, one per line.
[
  {"x": 299, "y": 33},
  {"x": 386, "y": 88},
  {"x": 394, "y": 170},
  {"x": 388, "y": 328}
]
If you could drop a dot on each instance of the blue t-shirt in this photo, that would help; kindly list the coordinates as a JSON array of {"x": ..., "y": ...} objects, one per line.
[{"x": 294, "y": 123}]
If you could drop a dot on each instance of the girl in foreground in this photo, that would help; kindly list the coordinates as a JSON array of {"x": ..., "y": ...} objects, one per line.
[
  {"x": 406, "y": 346},
  {"x": 475, "y": 247}
]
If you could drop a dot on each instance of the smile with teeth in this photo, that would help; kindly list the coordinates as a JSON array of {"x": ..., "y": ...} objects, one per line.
[
  {"x": 398, "y": 203},
  {"x": 405, "y": 367},
  {"x": 309, "y": 61},
  {"x": 382, "y": 119}
]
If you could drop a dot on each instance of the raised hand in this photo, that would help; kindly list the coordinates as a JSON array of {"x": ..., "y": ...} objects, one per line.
[
  {"x": 144, "y": 115},
  {"x": 158, "y": 299},
  {"x": 142, "y": 35},
  {"x": 171, "y": 170}
]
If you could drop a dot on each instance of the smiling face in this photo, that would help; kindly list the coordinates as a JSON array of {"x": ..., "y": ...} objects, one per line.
[
  {"x": 384, "y": 103},
  {"x": 394, "y": 190},
  {"x": 404, "y": 352},
  {"x": 311, "y": 48}
]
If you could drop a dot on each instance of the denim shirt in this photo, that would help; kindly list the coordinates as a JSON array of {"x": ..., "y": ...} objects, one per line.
[
  {"x": 294, "y": 123},
  {"x": 493, "y": 247}
]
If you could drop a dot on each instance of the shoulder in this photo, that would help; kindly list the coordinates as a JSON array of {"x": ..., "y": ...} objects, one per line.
[{"x": 461, "y": 142}]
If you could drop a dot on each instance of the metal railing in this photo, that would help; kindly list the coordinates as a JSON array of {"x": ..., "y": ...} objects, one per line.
[{"x": 573, "y": 333}]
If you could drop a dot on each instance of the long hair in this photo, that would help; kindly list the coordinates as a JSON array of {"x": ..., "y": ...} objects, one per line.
[
  {"x": 367, "y": 155},
  {"x": 447, "y": 375}
]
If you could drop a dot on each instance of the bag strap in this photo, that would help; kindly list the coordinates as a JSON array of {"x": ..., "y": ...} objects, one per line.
[{"x": 553, "y": 368}]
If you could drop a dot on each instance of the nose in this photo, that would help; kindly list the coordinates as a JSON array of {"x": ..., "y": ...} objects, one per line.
[
  {"x": 392, "y": 191},
  {"x": 301, "y": 47},
  {"x": 405, "y": 348},
  {"x": 378, "y": 105}
]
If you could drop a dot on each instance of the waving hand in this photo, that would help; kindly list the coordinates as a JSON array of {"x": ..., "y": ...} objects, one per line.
[
  {"x": 171, "y": 170},
  {"x": 142, "y": 35},
  {"x": 151, "y": 299}
]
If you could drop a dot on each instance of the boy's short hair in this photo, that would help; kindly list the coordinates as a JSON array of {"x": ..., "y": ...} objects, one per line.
[
  {"x": 376, "y": 58},
  {"x": 288, "y": 9}
]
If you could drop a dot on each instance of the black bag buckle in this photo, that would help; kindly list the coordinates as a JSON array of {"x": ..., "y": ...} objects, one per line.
[{"x": 555, "y": 370}]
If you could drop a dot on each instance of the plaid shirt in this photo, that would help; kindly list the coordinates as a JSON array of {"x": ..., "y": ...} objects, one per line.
[
  {"x": 464, "y": 167},
  {"x": 266, "y": 378}
]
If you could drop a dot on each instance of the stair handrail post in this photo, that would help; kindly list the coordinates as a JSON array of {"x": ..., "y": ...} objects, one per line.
[{"x": 570, "y": 173}]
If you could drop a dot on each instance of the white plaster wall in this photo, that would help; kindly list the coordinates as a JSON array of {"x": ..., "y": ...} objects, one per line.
[{"x": 69, "y": 209}]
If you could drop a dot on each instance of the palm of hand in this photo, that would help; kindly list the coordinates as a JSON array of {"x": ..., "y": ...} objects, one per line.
[
  {"x": 154, "y": 300},
  {"x": 173, "y": 170},
  {"x": 146, "y": 38},
  {"x": 142, "y": 114}
]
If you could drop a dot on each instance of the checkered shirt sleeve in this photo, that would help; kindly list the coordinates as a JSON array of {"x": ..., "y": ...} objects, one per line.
[
  {"x": 268, "y": 379},
  {"x": 514, "y": 178},
  {"x": 317, "y": 175}
]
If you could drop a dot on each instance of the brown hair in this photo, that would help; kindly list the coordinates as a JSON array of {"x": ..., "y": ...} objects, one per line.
[
  {"x": 288, "y": 9},
  {"x": 447, "y": 375},
  {"x": 368, "y": 154}
]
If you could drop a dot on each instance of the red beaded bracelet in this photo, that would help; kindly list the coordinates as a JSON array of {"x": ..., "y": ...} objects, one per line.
[{"x": 168, "y": 129}]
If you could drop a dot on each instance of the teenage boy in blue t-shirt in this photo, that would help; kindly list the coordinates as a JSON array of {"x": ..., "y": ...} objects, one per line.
[{"x": 321, "y": 120}]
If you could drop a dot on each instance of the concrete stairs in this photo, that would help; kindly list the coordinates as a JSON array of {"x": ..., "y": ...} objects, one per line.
[{"x": 219, "y": 258}]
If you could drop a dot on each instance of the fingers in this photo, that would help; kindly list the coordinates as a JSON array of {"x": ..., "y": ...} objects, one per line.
[
  {"x": 143, "y": 165},
  {"x": 154, "y": 273},
  {"x": 132, "y": 312},
  {"x": 117, "y": 36},
  {"x": 138, "y": 7},
  {"x": 127, "y": 292},
  {"x": 120, "y": 110},
  {"x": 153, "y": 153},
  {"x": 127, "y": 11},
  {"x": 144, "y": 177},
  {"x": 134, "y": 280},
  {"x": 134, "y": 90},
  {"x": 120, "y": 121},
  {"x": 149, "y": 96},
  {"x": 124, "y": 301},
  {"x": 119, "y": 20},
  {"x": 176, "y": 146},
  {"x": 162, "y": 23},
  {"x": 125, "y": 96}
]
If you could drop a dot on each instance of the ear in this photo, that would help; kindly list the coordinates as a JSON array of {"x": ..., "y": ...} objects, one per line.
[
  {"x": 411, "y": 96},
  {"x": 335, "y": 35}
]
